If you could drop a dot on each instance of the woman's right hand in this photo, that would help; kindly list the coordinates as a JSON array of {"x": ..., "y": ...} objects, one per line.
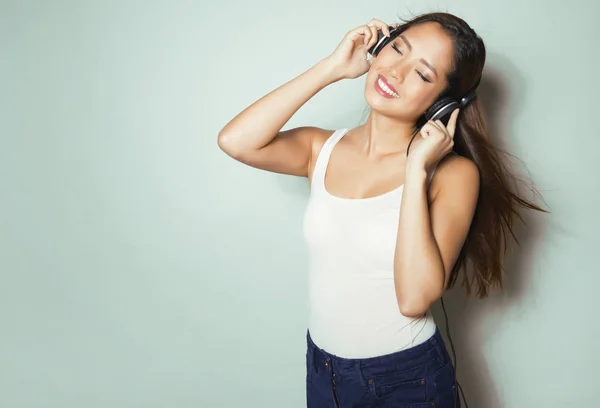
[{"x": 349, "y": 59}]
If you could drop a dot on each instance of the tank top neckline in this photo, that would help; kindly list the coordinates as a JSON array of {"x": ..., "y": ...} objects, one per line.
[{"x": 328, "y": 147}]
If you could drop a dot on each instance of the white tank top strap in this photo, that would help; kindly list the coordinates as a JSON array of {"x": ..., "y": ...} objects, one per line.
[{"x": 318, "y": 177}]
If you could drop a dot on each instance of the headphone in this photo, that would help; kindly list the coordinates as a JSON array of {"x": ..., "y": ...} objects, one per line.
[{"x": 442, "y": 107}]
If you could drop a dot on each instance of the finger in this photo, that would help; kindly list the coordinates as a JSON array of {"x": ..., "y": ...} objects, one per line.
[
  {"x": 386, "y": 29},
  {"x": 426, "y": 130},
  {"x": 368, "y": 35},
  {"x": 380, "y": 25},
  {"x": 358, "y": 32},
  {"x": 363, "y": 33},
  {"x": 452, "y": 122},
  {"x": 441, "y": 126},
  {"x": 435, "y": 125},
  {"x": 373, "y": 37}
]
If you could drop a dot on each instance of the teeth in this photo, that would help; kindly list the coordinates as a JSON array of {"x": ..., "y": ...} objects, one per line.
[{"x": 387, "y": 89}]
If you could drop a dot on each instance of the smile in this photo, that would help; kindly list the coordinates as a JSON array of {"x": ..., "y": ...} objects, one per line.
[{"x": 382, "y": 88}]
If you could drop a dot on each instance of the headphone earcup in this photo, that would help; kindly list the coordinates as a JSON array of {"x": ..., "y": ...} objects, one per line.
[
  {"x": 441, "y": 108},
  {"x": 382, "y": 41}
]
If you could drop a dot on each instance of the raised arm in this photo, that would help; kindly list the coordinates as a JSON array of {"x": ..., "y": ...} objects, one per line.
[{"x": 254, "y": 136}]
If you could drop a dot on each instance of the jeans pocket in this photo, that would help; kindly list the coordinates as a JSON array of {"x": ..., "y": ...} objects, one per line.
[{"x": 408, "y": 386}]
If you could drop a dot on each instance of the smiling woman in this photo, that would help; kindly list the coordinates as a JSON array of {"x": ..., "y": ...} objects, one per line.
[{"x": 385, "y": 236}]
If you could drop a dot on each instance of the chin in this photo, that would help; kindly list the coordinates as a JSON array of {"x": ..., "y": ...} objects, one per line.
[{"x": 383, "y": 105}]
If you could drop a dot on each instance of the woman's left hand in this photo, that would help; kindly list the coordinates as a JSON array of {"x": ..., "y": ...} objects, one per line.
[{"x": 437, "y": 141}]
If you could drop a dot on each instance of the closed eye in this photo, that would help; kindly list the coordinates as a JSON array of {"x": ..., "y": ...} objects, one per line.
[{"x": 423, "y": 77}]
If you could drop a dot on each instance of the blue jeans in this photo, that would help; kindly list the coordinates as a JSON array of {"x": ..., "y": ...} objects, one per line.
[{"x": 418, "y": 377}]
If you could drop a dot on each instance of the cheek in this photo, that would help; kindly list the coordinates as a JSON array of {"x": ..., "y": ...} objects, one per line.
[
  {"x": 414, "y": 98},
  {"x": 419, "y": 97}
]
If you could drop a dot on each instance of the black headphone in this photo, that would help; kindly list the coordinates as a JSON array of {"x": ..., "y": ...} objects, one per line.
[{"x": 445, "y": 105}]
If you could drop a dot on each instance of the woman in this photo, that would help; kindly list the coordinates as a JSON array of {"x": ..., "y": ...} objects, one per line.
[{"x": 377, "y": 266}]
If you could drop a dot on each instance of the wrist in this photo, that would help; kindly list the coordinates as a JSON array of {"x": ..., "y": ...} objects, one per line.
[
  {"x": 416, "y": 172},
  {"x": 415, "y": 164},
  {"x": 328, "y": 71}
]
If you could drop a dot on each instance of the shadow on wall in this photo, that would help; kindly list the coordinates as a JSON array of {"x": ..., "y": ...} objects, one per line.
[{"x": 472, "y": 322}]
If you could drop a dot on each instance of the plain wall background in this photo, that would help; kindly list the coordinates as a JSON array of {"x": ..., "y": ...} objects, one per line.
[{"x": 142, "y": 267}]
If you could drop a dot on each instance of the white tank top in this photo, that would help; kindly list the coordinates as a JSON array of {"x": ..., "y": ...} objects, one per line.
[{"x": 352, "y": 306}]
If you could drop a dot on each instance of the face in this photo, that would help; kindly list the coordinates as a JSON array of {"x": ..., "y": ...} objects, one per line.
[{"x": 414, "y": 67}]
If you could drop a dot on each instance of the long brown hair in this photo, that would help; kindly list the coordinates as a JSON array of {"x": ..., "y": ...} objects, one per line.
[{"x": 498, "y": 203}]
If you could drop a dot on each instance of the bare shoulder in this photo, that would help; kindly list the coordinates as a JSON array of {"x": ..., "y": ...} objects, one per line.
[
  {"x": 457, "y": 173},
  {"x": 320, "y": 135}
]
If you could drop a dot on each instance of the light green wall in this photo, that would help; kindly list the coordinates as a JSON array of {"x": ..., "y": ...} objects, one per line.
[{"x": 142, "y": 267}]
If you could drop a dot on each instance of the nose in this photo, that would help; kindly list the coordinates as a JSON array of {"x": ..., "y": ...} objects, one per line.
[{"x": 399, "y": 72}]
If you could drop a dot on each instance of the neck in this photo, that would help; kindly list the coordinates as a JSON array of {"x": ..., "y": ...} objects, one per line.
[{"x": 384, "y": 136}]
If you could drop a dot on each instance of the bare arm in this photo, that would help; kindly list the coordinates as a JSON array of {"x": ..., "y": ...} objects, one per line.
[
  {"x": 430, "y": 237},
  {"x": 254, "y": 136}
]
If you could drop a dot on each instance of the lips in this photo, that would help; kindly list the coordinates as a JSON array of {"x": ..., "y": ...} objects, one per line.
[
  {"x": 387, "y": 83},
  {"x": 382, "y": 88}
]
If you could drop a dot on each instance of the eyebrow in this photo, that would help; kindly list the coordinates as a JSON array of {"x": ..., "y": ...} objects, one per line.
[{"x": 431, "y": 67}]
